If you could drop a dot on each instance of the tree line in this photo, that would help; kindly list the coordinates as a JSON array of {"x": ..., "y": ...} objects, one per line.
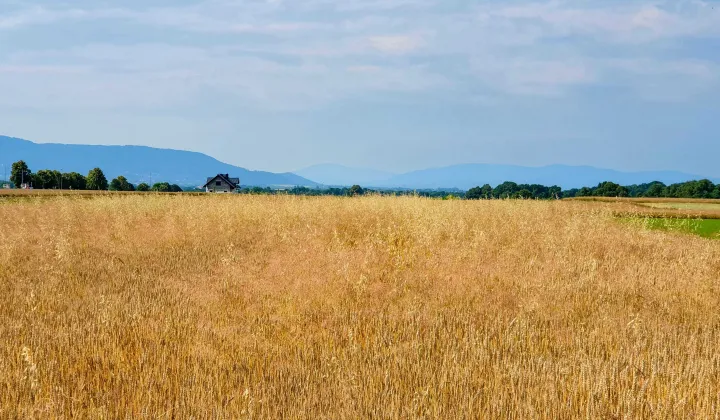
[
  {"x": 703, "y": 188},
  {"x": 692, "y": 189},
  {"x": 46, "y": 179},
  {"x": 513, "y": 190},
  {"x": 355, "y": 190},
  {"x": 96, "y": 180}
]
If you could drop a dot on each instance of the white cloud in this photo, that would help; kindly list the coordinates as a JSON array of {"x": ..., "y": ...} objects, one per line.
[
  {"x": 663, "y": 80},
  {"x": 46, "y": 70},
  {"x": 41, "y": 15},
  {"x": 684, "y": 68},
  {"x": 156, "y": 75},
  {"x": 364, "y": 5},
  {"x": 396, "y": 44},
  {"x": 626, "y": 21},
  {"x": 317, "y": 51},
  {"x": 543, "y": 77}
]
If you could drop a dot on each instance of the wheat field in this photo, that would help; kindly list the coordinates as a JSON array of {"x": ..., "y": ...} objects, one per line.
[{"x": 174, "y": 306}]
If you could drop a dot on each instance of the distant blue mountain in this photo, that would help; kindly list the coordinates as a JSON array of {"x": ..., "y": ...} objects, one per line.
[
  {"x": 146, "y": 164},
  {"x": 330, "y": 174},
  {"x": 136, "y": 163},
  {"x": 470, "y": 175}
]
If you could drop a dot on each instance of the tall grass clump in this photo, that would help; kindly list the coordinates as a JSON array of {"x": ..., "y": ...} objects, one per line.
[{"x": 128, "y": 306}]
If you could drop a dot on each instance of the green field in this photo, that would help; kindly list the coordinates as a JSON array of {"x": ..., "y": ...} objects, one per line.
[{"x": 707, "y": 228}]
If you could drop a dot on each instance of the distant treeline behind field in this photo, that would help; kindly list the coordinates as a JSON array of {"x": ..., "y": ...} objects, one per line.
[
  {"x": 691, "y": 189},
  {"x": 95, "y": 180}
]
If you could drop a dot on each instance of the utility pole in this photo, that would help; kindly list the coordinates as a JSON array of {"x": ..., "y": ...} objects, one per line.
[{"x": 22, "y": 177}]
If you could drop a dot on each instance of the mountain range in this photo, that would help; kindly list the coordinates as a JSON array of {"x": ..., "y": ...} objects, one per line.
[
  {"x": 136, "y": 163},
  {"x": 470, "y": 175},
  {"x": 147, "y": 164},
  {"x": 338, "y": 175}
]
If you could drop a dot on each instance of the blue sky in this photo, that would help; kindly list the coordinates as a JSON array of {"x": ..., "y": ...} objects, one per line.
[{"x": 388, "y": 84}]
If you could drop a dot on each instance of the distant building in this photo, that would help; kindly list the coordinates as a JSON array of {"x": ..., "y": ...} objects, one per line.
[
  {"x": 6, "y": 186},
  {"x": 221, "y": 183}
]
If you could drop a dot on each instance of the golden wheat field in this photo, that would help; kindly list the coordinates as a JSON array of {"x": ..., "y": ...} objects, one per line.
[{"x": 175, "y": 306}]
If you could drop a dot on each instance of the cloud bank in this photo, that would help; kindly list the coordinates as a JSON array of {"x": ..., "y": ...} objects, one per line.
[{"x": 283, "y": 54}]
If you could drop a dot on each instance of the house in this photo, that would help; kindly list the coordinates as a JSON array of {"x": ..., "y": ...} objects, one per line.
[{"x": 221, "y": 183}]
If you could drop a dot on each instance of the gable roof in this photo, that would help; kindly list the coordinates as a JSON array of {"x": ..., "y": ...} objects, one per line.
[{"x": 234, "y": 182}]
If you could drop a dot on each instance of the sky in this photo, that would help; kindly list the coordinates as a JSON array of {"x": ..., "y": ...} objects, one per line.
[{"x": 394, "y": 85}]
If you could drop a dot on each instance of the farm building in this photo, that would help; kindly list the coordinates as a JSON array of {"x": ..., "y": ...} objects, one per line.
[{"x": 221, "y": 183}]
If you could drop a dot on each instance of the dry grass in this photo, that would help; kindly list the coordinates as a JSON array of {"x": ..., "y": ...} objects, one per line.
[
  {"x": 646, "y": 200},
  {"x": 45, "y": 193},
  {"x": 684, "y": 208},
  {"x": 239, "y": 306},
  {"x": 22, "y": 194}
]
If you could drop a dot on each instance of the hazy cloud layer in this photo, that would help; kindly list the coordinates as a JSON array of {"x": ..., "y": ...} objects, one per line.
[
  {"x": 182, "y": 56},
  {"x": 304, "y": 53}
]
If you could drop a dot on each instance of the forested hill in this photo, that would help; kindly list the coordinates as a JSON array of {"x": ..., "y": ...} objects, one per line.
[
  {"x": 136, "y": 163},
  {"x": 467, "y": 176}
]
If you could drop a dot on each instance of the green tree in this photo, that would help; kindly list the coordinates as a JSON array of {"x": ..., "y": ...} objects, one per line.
[
  {"x": 143, "y": 187},
  {"x": 486, "y": 191},
  {"x": 584, "y": 192},
  {"x": 555, "y": 192},
  {"x": 702, "y": 188},
  {"x": 655, "y": 189},
  {"x": 355, "y": 190},
  {"x": 96, "y": 180},
  {"x": 524, "y": 194},
  {"x": 58, "y": 179},
  {"x": 45, "y": 179},
  {"x": 121, "y": 184},
  {"x": 175, "y": 188},
  {"x": 715, "y": 192},
  {"x": 506, "y": 190},
  {"x": 161, "y": 187},
  {"x": 115, "y": 185},
  {"x": 73, "y": 181},
  {"x": 610, "y": 189},
  {"x": 20, "y": 173},
  {"x": 474, "y": 193}
]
